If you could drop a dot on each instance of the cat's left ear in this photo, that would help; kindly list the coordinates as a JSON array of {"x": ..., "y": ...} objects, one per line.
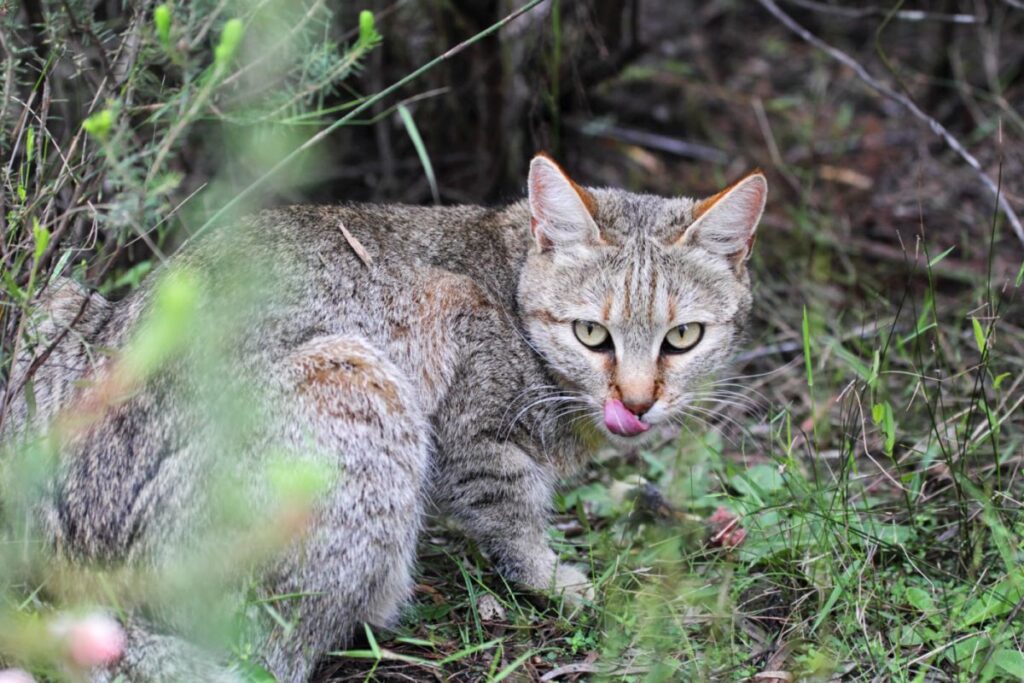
[
  {"x": 726, "y": 223},
  {"x": 561, "y": 212}
]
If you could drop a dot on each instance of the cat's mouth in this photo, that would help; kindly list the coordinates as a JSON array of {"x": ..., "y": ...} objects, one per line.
[{"x": 621, "y": 421}]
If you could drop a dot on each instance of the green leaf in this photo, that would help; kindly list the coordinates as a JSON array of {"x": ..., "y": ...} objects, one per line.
[
  {"x": 882, "y": 415},
  {"x": 999, "y": 379},
  {"x": 759, "y": 481},
  {"x": 996, "y": 602},
  {"x": 421, "y": 150},
  {"x": 979, "y": 334},
  {"x": 166, "y": 327},
  {"x": 921, "y": 600},
  {"x": 230, "y": 38},
  {"x": 807, "y": 349},
  {"x": 162, "y": 23},
  {"x": 374, "y": 647},
  {"x": 368, "y": 35},
  {"x": 1010, "y": 661},
  {"x": 42, "y": 239},
  {"x": 941, "y": 256},
  {"x": 254, "y": 673},
  {"x": 99, "y": 124},
  {"x": 299, "y": 481}
]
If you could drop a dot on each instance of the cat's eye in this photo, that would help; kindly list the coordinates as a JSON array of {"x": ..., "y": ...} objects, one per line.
[
  {"x": 682, "y": 338},
  {"x": 592, "y": 335}
]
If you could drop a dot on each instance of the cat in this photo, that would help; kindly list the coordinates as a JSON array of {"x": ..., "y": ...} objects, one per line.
[{"x": 459, "y": 359}]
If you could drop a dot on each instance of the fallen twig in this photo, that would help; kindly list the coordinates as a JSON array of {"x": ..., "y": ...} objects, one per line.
[
  {"x": 591, "y": 668},
  {"x": 356, "y": 245},
  {"x": 903, "y": 14},
  {"x": 643, "y": 138},
  {"x": 906, "y": 102}
]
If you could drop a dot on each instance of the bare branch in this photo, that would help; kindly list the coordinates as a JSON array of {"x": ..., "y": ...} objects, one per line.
[
  {"x": 906, "y": 102},
  {"x": 903, "y": 14}
]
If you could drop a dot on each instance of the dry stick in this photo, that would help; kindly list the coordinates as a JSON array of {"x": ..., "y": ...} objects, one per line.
[
  {"x": 907, "y": 103},
  {"x": 367, "y": 103},
  {"x": 903, "y": 14}
]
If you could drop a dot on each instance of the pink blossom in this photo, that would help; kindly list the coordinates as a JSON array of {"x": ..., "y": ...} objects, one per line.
[
  {"x": 94, "y": 640},
  {"x": 725, "y": 529},
  {"x": 15, "y": 676}
]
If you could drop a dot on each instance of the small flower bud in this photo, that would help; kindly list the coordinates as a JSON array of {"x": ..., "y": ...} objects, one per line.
[
  {"x": 15, "y": 676},
  {"x": 94, "y": 640}
]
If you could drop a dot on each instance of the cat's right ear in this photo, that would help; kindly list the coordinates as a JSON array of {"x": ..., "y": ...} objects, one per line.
[
  {"x": 560, "y": 210},
  {"x": 726, "y": 223}
]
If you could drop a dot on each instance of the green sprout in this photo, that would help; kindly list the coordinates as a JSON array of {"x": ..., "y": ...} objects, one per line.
[
  {"x": 162, "y": 22},
  {"x": 230, "y": 37}
]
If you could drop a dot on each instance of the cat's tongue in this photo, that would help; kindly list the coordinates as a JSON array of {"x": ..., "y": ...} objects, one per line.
[{"x": 619, "y": 420}]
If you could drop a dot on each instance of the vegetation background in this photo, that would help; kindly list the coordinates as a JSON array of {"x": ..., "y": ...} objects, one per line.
[{"x": 874, "y": 439}]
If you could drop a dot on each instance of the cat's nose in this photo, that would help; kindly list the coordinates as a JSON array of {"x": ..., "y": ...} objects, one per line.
[{"x": 637, "y": 406}]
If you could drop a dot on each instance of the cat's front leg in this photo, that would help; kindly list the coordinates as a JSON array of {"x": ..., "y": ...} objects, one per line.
[{"x": 501, "y": 497}]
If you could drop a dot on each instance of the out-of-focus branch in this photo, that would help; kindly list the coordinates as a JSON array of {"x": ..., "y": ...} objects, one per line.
[
  {"x": 907, "y": 103},
  {"x": 903, "y": 14}
]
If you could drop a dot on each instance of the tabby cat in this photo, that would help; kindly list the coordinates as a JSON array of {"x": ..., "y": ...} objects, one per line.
[{"x": 452, "y": 359}]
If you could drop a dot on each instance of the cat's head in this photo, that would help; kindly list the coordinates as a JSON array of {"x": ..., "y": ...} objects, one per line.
[{"x": 635, "y": 300}]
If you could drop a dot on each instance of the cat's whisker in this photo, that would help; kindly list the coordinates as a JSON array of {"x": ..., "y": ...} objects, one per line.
[
  {"x": 735, "y": 396},
  {"x": 745, "y": 406},
  {"x": 712, "y": 417},
  {"x": 535, "y": 403},
  {"x": 745, "y": 389},
  {"x": 762, "y": 375}
]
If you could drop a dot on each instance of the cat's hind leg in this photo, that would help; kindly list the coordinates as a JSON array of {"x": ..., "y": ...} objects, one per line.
[{"x": 359, "y": 411}]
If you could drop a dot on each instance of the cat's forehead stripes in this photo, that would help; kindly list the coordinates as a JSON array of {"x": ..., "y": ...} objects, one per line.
[{"x": 640, "y": 299}]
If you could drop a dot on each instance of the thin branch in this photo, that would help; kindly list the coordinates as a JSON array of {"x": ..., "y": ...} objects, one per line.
[
  {"x": 366, "y": 104},
  {"x": 903, "y": 14},
  {"x": 907, "y": 103}
]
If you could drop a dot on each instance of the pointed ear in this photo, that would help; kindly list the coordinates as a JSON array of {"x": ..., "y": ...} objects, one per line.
[
  {"x": 561, "y": 212},
  {"x": 725, "y": 223}
]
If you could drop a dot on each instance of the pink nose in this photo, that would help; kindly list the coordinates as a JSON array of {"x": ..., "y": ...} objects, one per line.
[{"x": 637, "y": 407}]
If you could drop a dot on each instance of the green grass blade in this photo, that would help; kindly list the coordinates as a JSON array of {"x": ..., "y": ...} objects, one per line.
[{"x": 421, "y": 150}]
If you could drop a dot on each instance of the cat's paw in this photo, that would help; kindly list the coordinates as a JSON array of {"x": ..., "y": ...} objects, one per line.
[{"x": 573, "y": 585}]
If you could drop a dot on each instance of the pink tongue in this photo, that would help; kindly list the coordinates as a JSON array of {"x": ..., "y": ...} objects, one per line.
[{"x": 619, "y": 420}]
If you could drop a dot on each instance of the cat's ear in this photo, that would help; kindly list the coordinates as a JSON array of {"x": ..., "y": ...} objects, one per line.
[
  {"x": 561, "y": 212},
  {"x": 726, "y": 223}
]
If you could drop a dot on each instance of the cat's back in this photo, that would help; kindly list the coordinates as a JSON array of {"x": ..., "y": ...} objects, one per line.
[{"x": 386, "y": 235}]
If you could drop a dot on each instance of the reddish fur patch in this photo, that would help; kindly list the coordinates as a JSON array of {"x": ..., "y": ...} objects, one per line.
[{"x": 348, "y": 373}]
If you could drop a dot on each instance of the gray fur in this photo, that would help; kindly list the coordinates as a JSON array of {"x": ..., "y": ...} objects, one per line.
[{"x": 443, "y": 368}]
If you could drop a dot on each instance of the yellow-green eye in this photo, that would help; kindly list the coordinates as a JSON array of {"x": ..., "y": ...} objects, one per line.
[
  {"x": 682, "y": 338},
  {"x": 592, "y": 335}
]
